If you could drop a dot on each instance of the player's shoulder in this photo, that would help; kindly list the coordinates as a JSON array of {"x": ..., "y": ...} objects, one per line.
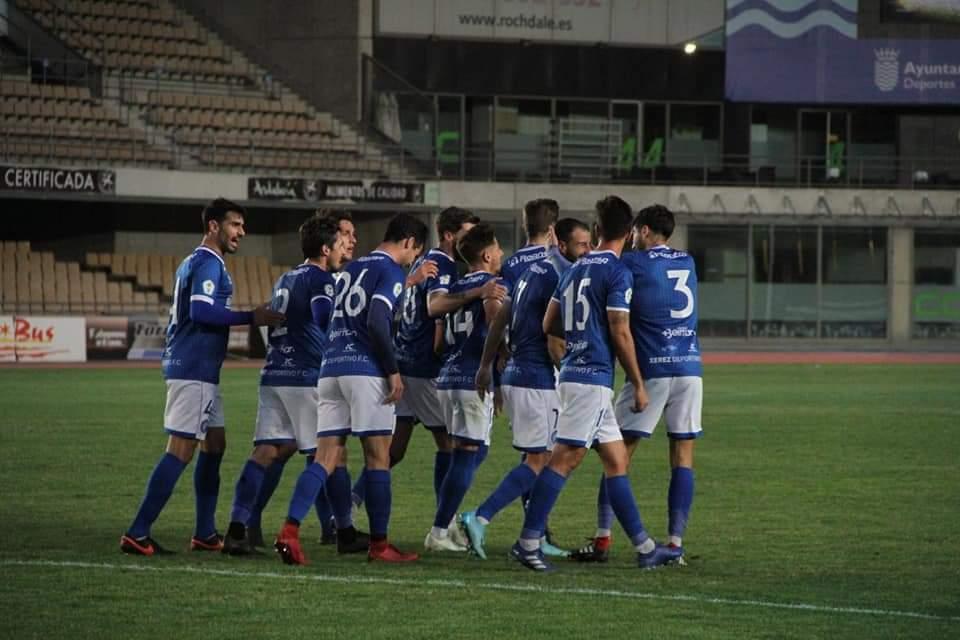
[
  {"x": 202, "y": 257},
  {"x": 440, "y": 257},
  {"x": 667, "y": 254}
]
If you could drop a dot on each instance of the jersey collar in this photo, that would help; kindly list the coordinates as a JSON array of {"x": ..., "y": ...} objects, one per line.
[
  {"x": 384, "y": 254},
  {"x": 211, "y": 252},
  {"x": 438, "y": 251},
  {"x": 658, "y": 247},
  {"x": 610, "y": 251}
]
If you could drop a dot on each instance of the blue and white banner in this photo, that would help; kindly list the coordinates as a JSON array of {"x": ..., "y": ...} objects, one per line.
[{"x": 825, "y": 51}]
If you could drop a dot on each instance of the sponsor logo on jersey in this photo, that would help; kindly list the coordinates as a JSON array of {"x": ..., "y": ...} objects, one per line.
[{"x": 679, "y": 332}]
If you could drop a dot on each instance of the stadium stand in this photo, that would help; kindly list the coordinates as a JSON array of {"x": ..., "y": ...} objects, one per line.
[
  {"x": 35, "y": 282},
  {"x": 66, "y": 123},
  {"x": 172, "y": 94}
]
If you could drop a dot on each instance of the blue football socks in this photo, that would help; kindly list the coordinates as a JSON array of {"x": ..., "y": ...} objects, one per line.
[
  {"x": 159, "y": 489},
  {"x": 309, "y": 484},
  {"x": 338, "y": 492},
  {"x": 246, "y": 492},
  {"x": 679, "y": 500},
  {"x": 271, "y": 478},
  {"x": 455, "y": 486},
  {"x": 625, "y": 508},
  {"x": 379, "y": 501},
  {"x": 206, "y": 484},
  {"x": 516, "y": 483},
  {"x": 441, "y": 464},
  {"x": 605, "y": 513},
  {"x": 324, "y": 510},
  {"x": 543, "y": 496}
]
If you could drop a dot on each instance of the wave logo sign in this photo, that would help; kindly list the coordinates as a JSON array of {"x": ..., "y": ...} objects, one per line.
[{"x": 886, "y": 69}]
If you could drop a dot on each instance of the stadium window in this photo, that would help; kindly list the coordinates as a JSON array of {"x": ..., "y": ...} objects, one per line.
[
  {"x": 854, "y": 297},
  {"x": 694, "y": 135},
  {"x": 936, "y": 284},
  {"x": 720, "y": 255},
  {"x": 784, "y": 287},
  {"x": 523, "y": 130}
]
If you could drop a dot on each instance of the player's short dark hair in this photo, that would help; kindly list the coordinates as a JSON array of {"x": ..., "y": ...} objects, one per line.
[
  {"x": 337, "y": 215},
  {"x": 452, "y": 218},
  {"x": 658, "y": 218},
  {"x": 403, "y": 226},
  {"x": 567, "y": 226},
  {"x": 539, "y": 215},
  {"x": 614, "y": 218},
  {"x": 475, "y": 242},
  {"x": 218, "y": 210},
  {"x": 317, "y": 232}
]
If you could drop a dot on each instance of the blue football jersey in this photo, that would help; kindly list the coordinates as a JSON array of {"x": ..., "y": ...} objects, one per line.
[
  {"x": 195, "y": 351},
  {"x": 663, "y": 313},
  {"x": 465, "y": 332},
  {"x": 514, "y": 266},
  {"x": 530, "y": 365},
  {"x": 414, "y": 340},
  {"x": 295, "y": 348},
  {"x": 372, "y": 278},
  {"x": 596, "y": 283}
]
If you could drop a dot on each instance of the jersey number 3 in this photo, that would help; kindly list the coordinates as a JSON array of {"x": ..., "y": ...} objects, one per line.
[{"x": 681, "y": 275}]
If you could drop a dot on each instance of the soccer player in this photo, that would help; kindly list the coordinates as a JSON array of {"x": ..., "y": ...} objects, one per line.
[
  {"x": 287, "y": 408},
  {"x": 590, "y": 310},
  {"x": 663, "y": 322},
  {"x": 343, "y": 221},
  {"x": 358, "y": 386},
  {"x": 200, "y": 321},
  {"x": 529, "y": 379},
  {"x": 539, "y": 218},
  {"x": 417, "y": 341},
  {"x": 468, "y": 417}
]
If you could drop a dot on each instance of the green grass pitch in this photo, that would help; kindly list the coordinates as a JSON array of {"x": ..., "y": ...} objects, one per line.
[{"x": 826, "y": 506}]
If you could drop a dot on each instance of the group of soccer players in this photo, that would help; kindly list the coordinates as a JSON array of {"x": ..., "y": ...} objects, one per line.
[{"x": 364, "y": 347}]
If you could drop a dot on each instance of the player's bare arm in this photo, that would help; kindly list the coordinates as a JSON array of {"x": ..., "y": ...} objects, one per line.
[
  {"x": 491, "y": 346},
  {"x": 265, "y": 316},
  {"x": 427, "y": 269},
  {"x": 552, "y": 325},
  {"x": 622, "y": 341},
  {"x": 440, "y": 303}
]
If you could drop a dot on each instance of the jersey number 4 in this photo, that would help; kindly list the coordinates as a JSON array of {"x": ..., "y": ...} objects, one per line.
[{"x": 681, "y": 275}]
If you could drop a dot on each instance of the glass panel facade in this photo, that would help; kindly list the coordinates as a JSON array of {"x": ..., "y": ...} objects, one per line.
[
  {"x": 854, "y": 298},
  {"x": 784, "y": 297},
  {"x": 936, "y": 284},
  {"x": 720, "y": 253}
]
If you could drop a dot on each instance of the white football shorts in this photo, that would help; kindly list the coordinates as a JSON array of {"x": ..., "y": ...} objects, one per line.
[
  {"x": 287, "y": 414},
  {"x": 420, "y": 400},
  {"x": 466, "y": 416},
  {"x": 533, "y": 414},
  {"x": 354, "y": 405},
  {"x": 586, "y": 415},
  {"x": 679, "y": 400},
  {"x": 192, "y": 408}
]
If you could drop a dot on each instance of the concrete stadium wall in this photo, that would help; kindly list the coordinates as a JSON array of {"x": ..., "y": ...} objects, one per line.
[{"x": 312, "y": 46}]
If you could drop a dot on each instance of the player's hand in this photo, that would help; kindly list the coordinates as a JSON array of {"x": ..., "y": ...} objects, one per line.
[
  {"x": 493, "y": 289},
  {"x": 427, "y": 269},
  {"x": 264, "y": 315},
  {"x": 396, "y": 389},
  {"x": 482, "y": 381},
  {"x": 501, "y": 363},
  {"x": 640, "y": 399},
  {"x": 497, "y": 401}
]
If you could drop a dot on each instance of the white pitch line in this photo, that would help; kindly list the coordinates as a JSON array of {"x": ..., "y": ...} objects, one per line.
[{"x": 489, "y": 586}]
